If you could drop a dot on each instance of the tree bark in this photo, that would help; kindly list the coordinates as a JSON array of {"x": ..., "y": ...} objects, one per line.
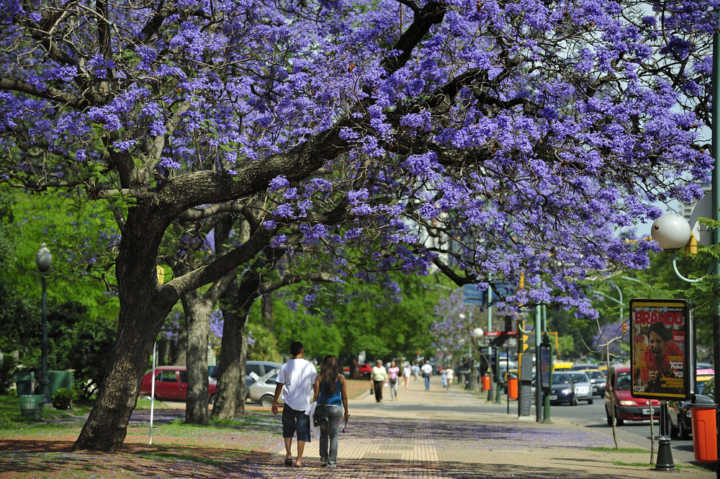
[
  {"x": 236, "y": 304},
  {"x": 268, "y": 315},
  {"x": 197, "y": 317},
  {"x": 143, "y": 307}
]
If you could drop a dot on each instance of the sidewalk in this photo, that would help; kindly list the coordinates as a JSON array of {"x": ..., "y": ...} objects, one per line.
[
  {"x": 424, "y": 434},
  {"x": 452, "y": 434}
]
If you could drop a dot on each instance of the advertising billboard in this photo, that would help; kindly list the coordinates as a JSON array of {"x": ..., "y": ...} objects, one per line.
[{"x": 661, "y": 346}]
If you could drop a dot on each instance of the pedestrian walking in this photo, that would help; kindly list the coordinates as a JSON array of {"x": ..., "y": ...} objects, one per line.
[
  {"x": 415, "y": 371},
  {"x": 450, "y": 377},
  {"x": 331, "y": 396},
  {"x": 377, "y": 379},
  {"x": 443, "y": 379},
  {"x": 394, "y": 379},
  {"x": 407, "y": 371},
  {"x": 426, "y": 372},
  {"x": 295, "y": 380}
]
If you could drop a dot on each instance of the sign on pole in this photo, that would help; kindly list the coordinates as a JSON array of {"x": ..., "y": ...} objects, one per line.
[
  {"x": 662, "y": 348},
  {"x": 474, "y": 294}
]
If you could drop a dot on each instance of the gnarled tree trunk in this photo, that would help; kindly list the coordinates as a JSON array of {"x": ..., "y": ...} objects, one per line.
[{"x": 142, "y": 310}]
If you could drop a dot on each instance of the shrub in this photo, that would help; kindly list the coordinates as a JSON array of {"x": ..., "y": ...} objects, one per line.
[{"x": 63, "y": 398}]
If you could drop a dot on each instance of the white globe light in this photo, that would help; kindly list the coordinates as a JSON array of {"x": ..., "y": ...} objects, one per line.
[
  {"x": 477, "y": 333},
  {"x": 671, "y": 231}
]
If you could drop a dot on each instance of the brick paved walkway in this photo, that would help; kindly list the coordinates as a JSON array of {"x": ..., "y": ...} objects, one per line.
[{"x": 442, "y": 434}]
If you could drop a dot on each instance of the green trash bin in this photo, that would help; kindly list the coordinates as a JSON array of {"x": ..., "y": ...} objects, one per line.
[
  {"x": 23, "y": 382},
  {"x": 31, "y": 406},
  {"x": 59, "y": 379}
]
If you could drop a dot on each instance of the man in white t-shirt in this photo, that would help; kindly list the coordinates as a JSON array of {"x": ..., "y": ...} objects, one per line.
[
  {"x": 295, "y": 380},
  {"x": 426, "y": 372}
]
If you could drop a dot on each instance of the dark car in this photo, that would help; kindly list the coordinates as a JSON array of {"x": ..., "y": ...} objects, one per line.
[
  {"x": 680, "y": 414},
  {"x": 619, "y": 398},
  {"x": 570, "y": 387}
]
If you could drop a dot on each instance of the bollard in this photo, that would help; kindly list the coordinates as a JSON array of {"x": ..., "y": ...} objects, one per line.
[{"x": 665, "y": 459}]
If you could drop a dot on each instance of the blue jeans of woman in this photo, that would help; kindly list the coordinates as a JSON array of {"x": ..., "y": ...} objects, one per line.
[{"x": 329, "y": 432}]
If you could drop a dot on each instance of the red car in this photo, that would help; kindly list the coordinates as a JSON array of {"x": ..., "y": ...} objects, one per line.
[
  {"x": 364, "y": 370},
  {"x": 627, "y": 408},
  {"x": 171, "y": 383}
]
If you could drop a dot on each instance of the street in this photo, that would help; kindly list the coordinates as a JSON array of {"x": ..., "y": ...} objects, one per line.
[{"x": 593, "y": 416}]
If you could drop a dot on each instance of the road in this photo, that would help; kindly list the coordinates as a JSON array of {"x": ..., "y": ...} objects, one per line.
[{"x": 593, "y": 416}]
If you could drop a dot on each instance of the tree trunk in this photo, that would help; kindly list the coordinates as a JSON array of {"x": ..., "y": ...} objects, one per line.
[
  {"x": 230, "y": 393},
  {"x": 242, "y": 387},
  {"x": 180, "y": 356},
  {"x": 197, "y": 317},
  {"x": 268, "y": 316},
  {"x": 142, "y": 311},
  {"x": 162, "y": 351}
]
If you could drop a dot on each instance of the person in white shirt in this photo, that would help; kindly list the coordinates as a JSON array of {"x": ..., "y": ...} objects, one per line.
[
  {"x": 407, "y": 371},
  {"x": 295, "y": 379},
  {"x": 426, "y": 372},
  {"x": 450, "y": 377}
]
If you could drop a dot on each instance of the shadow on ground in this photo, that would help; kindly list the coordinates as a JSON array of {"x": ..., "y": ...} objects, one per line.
[{"x": 24, "y": 459}]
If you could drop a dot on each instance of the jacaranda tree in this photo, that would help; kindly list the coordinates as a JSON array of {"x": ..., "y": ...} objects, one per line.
[{"x": 524, "y": 130}]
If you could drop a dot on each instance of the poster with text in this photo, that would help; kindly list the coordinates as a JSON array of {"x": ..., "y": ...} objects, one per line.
[{"x": 659, "y": 345}]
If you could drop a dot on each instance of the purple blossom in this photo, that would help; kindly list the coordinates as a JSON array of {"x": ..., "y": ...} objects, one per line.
[{"x": 278, "y": 183}]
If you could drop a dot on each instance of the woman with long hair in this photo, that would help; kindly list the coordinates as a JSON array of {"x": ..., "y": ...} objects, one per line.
[{"x": 331, "y": 395}]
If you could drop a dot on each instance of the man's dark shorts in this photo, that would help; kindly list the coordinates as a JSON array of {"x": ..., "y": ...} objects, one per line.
[{"x": 296, "y": 422}]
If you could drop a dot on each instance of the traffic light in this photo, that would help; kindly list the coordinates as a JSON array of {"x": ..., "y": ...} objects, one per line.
[{"x": 624, "y": 327}]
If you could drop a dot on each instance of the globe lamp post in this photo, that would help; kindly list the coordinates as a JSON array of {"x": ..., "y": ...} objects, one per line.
[{"x": 44, "y": 262}]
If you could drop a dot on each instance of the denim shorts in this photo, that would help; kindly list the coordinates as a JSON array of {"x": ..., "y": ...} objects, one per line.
[{"x": 296, "y": 422}]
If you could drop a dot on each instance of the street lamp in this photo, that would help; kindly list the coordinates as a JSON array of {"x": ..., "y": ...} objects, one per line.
[
  {"x": 43, "y": 259},
  {"x": 477, "y": 334},
  {"x": 672, "y": 232}
]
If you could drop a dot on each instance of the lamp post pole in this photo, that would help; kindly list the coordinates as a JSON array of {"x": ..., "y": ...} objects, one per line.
[
  {"x": 44, "y": 261},
  {"x": 715, "y": 235}
]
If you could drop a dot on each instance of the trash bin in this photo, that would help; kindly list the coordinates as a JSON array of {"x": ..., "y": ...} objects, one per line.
[
  {"x": 512, "y": 388},
  {"x": 59, "y": 379},
  {"x": 486, "y": 383},
  {"x": 24, "y": 381},
  {"x": 704, "y": 432},
  {"x": 31, "y": 406}
]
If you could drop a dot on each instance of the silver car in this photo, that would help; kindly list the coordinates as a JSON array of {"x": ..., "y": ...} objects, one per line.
[
  {"x": 570, "y": 387},
  {"x": 263, "y": 389}
]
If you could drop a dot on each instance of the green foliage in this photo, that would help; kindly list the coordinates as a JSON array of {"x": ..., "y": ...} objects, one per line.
[
  {"x": 567, "y": 347},
  {"x": 347, "y": 318},
  {"x": 11, "y": 420},
  {"x": 264, "y": 345},
  {"x": 63, "y": 398}
]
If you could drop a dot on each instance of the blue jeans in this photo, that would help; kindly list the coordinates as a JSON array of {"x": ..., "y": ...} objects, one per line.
[
  {"x": 329, "y": 430},
  {"x": 427, "y": 382}
]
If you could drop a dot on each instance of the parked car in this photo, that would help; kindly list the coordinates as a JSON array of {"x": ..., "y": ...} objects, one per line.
[
  {"x": 262, "y": 390},
  {"x": 171, "y": 384},
  {"x": 597, "y": 379},
  {"x": 618, "y": 396},
  {"x": 570, "y": 387},
  {"x": 679, "y": 412},
  {"x": 261, "y": 368},
  {"x": 365, "y": 369}
]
